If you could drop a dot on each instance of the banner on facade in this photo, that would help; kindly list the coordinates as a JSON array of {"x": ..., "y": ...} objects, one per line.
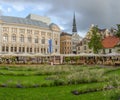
[{"x": 50, "y": 46}]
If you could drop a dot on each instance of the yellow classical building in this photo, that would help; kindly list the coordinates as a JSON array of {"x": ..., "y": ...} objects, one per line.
[{"x": 28, "y": 35}]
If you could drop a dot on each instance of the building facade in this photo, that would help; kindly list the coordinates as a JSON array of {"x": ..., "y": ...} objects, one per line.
[
  {"x": 83, "y": 47},
  {"x": 65, "y": 43},
  {"x": 102, "y": 32},
  {"x": 27, "y": 35}
]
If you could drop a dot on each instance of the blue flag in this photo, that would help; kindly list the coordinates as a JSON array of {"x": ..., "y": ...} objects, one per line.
[{"x": 50, "y": 46}]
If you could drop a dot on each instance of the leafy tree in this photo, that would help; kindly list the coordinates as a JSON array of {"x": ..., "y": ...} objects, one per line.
[
  {"x": 67, "y": 59},
  {"x": 95, "y": 41},
  {"x": 118, "y": 30},
  {"x": 76, "y": 59}
]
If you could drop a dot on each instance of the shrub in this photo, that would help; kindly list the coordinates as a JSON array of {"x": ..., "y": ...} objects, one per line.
[
  {"x": 19, "y": 85},
  {"x": 3, "y": 85},
  {"x": 59, "y": 82},
  {"x": 35, "y": 85},
  {"x": 89, "y": 89},
  {"x": 45, "y": 85}
]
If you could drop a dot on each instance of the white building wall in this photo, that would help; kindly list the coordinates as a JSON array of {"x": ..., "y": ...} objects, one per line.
[{"x": 54, "y": 36}]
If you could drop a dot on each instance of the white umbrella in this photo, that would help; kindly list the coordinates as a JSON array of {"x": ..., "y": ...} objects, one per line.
[
  {"x": 66, "y": 55},
  {"x": 8, "y": 54},
  {"x": 88, "y": 54},
  {"x": 113, "y": 54},
  {"x": 24, "y": 54},
  {"x": 38, "y": 54}
]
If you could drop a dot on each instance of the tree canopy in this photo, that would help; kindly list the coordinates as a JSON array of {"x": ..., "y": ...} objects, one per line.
[
  {"x": 118, "y": 30},
  {"x": 95, "y": 41}
]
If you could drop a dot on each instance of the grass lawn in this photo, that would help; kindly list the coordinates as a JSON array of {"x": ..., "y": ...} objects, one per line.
[
  {"x": 57, "y": 82},
  {"x": 51, "y": 93}
]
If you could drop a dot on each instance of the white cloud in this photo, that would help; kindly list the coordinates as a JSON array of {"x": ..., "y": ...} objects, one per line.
[
  {"x": 104, "y": 13},
  {"x": 4, "y": 10},
  {"x": 42, "y": 7},
  {"x": 8, "y": 9},
  {"x": 61, "y": 27},
  {"x": 1, "y": 8},
  {"x": 19, "y": 7}
]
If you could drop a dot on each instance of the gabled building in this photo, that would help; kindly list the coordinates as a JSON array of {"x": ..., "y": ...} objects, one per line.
[
  {"x": 111, "y": 44},
  {"x": 102, "y": 32},
  {"x": 106, "y": 35},
  {"x": 83, "y": 47}
]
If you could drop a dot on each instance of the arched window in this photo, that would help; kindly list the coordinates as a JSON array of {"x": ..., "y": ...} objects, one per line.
[
  {"x": 55, "y": 50},
  {"x": 84, "y": 41},
  {"x": 29, "y": 39},
  {"x": 44, "y": 50},
  {"x": 5, "y": 37},
  {"x": 41, "y": 50},
  {"x": 36, "y": 39},
  {"x": 13, "y": 38},
  {"x": 56, "y": 42},
  {"x": 22, "y": 38},
  {"x": 43, "y": 41}
]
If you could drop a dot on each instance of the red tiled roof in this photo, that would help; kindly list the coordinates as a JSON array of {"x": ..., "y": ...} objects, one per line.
[{"x": 110, "y": 42}]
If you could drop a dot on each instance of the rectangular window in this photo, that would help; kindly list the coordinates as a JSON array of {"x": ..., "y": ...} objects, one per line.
[
  {"x": 11, "y": 49},
  {"x": 7, "y": 49},
  {"x": 49, "y": 34},
  {"x": 55, "y": 50},
  {"x": 15, "y": 49},
  {"x": 5, "y": 29},
  {"x": 56, "y": 43},
  {"x": 27, "y": 49},
  {"x": 5, "y": 38},
  {"x": 14, "y": 30},
  {"x": 42, "y": 33},
  {"x": 29, "y": 39},
  {"x": 22, "y": 39},
  {"x": 43, "y": 41},
  {"x": 30, "y": 49},
  {"x": 84, "y": 47},
  {"x": 3, "y": 48},
  {"x": 36, "y": 39},
  {"x": 84, "y": 42},
  {"x": 37, "y": 49},
  {"x": 103, "y": 51},
  {"x": 19, "y": 49},
  {"x": 22, "y": 31},
  {"x": 14, "y": 38},
  {"x": 110, "y": 50},
  {"x": 29, "y": 31},
  {"x": 23, "y": 49},
  {"x": 36, "y": 32}
]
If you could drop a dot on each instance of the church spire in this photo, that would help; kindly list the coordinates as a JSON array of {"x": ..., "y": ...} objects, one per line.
[{"x": 74, "y": 30}]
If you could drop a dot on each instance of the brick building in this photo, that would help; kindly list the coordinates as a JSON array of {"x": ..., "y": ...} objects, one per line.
[{"x": 65, "y": 43}]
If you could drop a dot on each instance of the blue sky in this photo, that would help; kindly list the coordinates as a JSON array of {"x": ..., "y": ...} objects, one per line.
[
  {"x": 22, "y": 10},
  {"x": 104, "y": 13}
]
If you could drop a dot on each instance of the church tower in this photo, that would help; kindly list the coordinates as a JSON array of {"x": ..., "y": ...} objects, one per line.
[
  {"x": 75, "y": 37},
  {"x": 74, "y": 29}
]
